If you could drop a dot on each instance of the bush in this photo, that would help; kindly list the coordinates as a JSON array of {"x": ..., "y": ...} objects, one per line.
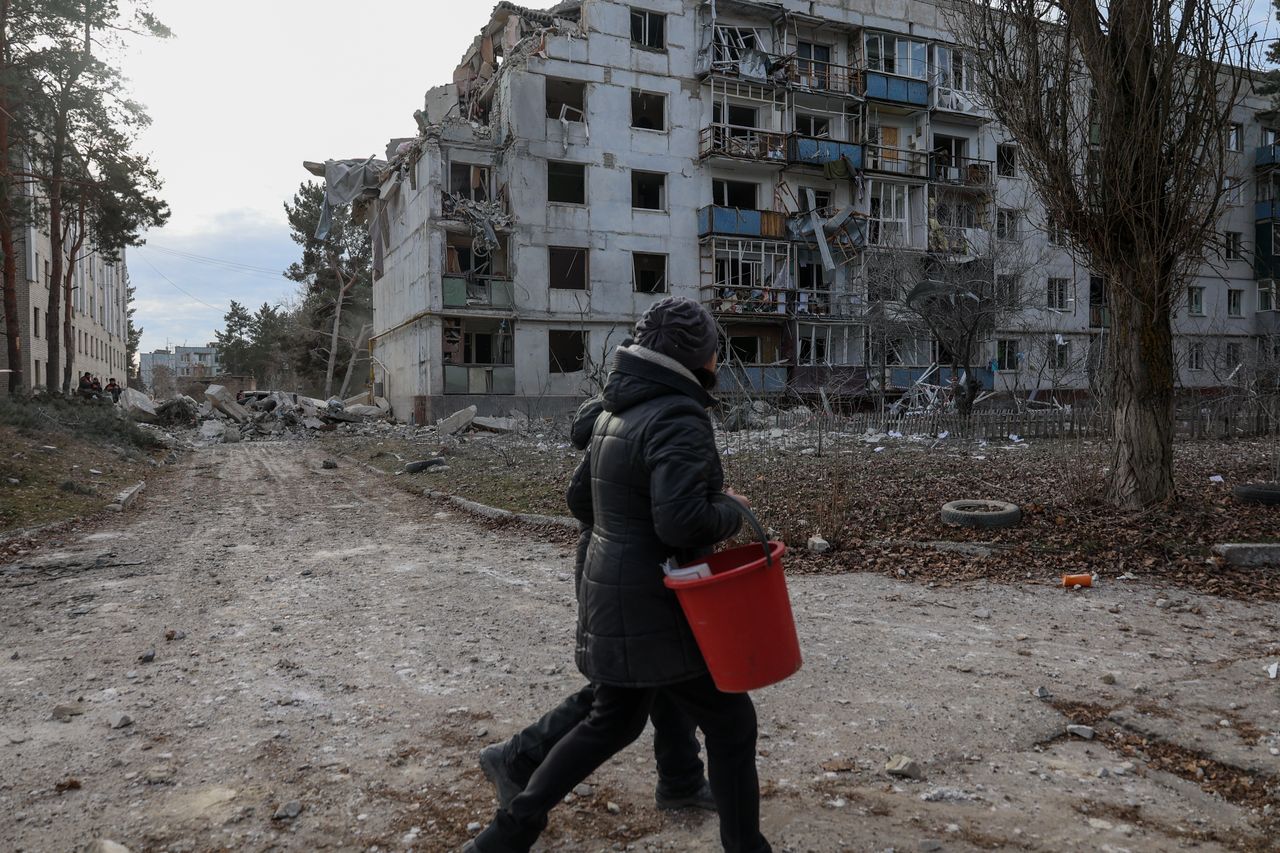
[{"x": 99, "y": 422}]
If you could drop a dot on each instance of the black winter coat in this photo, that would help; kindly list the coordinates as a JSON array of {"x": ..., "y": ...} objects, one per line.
[{"x": 654, "y": 472}]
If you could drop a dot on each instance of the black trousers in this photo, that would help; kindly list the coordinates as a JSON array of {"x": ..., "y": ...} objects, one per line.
[
  {"x": 675, "y": 746},
  {"x": 617, "y": 717}
]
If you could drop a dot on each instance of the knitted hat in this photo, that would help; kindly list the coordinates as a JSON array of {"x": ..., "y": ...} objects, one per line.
[{"x": 679, "y": 328}]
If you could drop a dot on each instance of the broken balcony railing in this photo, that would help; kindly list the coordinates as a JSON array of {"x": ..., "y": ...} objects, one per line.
[
  {"x": 961, "y": 171},
  {"x": 818, "y": 151},
  {"x": 819, "y": 76},
  {"x": 896, "y": 161},
  {"x": 742, "y": 143},
  {"x": 766, "y": 301},
  {"x": 479, "y": 379},
  {"x": 741, "y": 222},
  {"x": 956, "y": 240},
  {"x": 477, "y": 291}
]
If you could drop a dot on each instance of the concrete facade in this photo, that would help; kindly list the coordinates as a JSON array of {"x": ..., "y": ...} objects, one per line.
[
  {"x": 183, "y": 363},
  {"x": 613, "y": 155}
]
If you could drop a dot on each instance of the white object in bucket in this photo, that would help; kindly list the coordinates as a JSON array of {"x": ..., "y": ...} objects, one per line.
[{"x": 685, "y": 573}]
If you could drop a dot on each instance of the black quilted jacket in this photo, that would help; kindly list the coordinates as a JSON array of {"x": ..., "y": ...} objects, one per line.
[{"x": 654, "y": 470}]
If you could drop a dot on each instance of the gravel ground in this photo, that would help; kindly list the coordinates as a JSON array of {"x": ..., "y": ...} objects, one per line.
[{"x": 346, "y": 648}]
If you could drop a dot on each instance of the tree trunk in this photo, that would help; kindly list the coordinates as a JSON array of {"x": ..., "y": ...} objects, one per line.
[
  {"x": 53, "y": 309},
  {"x": 1141, "y": 385},
  {"x": 67, "y": 334},
  {"x": 966, "y": 392},
  {"x": 355, "y": 356},
  {"x": 12, "y": 329},
  {"x": 337, "y": 320}
]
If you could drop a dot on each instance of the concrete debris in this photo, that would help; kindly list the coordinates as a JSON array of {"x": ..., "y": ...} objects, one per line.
[
  {"x": 903, "y": 767},
  {"x": 137, "y": 405},
  {"x": 224, "y": 401},
  {"x": 501, "y": 425},
  {"x": 64, "y": 713},
  {"x": 1085, "y": 732},
  {"x": 818, "y": 545},
  {"x": 457, "y": 422},
  {"x": 119, "y": 720},
  {"x": 213, "y": 431},
  {"x": 105, "y": 845},
  {"x": 288, "y": 811},
  {"x": 180, "y": 411}
]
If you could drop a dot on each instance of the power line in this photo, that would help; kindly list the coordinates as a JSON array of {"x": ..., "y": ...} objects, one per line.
[
  {"x": 219, "y": 262},
  {"x": 179, "y": 289}
]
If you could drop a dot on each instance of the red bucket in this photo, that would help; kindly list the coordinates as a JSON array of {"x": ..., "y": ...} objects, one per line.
[{"x": 741, "y": 616}]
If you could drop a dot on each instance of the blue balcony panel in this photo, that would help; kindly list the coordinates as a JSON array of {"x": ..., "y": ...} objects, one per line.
[
  {"x": 815, "y": 152},
  {"x": 902, "y": 90}
]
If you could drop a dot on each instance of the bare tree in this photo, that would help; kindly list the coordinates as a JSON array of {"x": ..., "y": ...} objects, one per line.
[{"x": 1121, "y": 111}]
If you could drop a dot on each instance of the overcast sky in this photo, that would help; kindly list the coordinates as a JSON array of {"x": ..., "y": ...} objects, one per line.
[
  {"x": 244, "y": 92},
  {"x": 247, "y": 90}
]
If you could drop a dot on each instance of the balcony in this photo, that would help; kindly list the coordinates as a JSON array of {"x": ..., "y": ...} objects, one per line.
[
  {"x": 890, "y": 88},
  {"x": 465, "y": 208},
  {"x": 478, "y": 291},
  {"x": 479, "y": 379},
  {"x": 1266, "y": 210},
  {"x": 742, "y": 143},
  {"x": 741, "y": 222},
  {"x": 1267, "y": 323},
  {"x": 956, "y": 240},
  {"x": 1267, "y": 156},
  {"x": 950, "y": 99},
  {"x": 813, "y": 75},
  {"x": 757, "y": 378},
  {"x": 963, "y": 172},
  {"x": 1266, "y": 248},
  {"x": 896, "y": 161},
  {"x": 812, "y": 151},
  {"x": 746, "y": 300}
]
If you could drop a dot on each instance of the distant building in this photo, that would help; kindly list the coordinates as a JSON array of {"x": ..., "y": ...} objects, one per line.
[
  {"x": 183, "y": 363},
  {"x": 99, "y": 306}
]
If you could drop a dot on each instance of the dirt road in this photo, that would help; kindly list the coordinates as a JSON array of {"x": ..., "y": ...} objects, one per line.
[{"x": 348, "y": 647}]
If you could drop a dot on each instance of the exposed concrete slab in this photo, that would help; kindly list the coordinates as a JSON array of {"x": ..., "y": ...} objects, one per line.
[
  {"x": 457, "y": 422},
  {"x": 1249, "y": 553},
  {"x": 127, "y": 497}
]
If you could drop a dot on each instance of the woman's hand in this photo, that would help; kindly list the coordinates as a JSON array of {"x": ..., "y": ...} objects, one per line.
[{"x": 746, "y": 504}]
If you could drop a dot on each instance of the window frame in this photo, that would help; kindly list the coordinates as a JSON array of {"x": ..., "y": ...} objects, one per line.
[
  {"x": 583, "y": 167},
  {"x": 586, "y": 268},
  {"x": 1233, "y": 248},
  {"x": 644, "y": 93},
  {"x": 663, "y": 202},
  {"x": 553, "y": 363},
  {"x": 1013, "y": 163},
  {"x": 1195, "y": 301},
  {"x": 647, "y": 16},
  {"x": 666, "y": 276},
  {"x": 1006, "y": 224},
  {"x": 1006, "y": 353},
  {"x": 1063, "y": 289},
  {"x": 1195, "y": 355},
  {"x": 1235, "y": 136}
]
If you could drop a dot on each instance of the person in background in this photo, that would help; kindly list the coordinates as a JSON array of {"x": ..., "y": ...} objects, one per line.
[
  {"x": 655, "y": 491},
  {"x": 114, "y": 390},
  {"x": 84, "y": 388}
]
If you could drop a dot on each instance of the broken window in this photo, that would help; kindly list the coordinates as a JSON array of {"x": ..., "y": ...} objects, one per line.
[
  {"x": 566, "y": 183},
  {"x": 1006, "y": 355},
  {"x": 732, "y": 42},
  {"x": 1266, "y": 294},
  {"x": 648, "y": 110},
  {"x": 566, "y": 99},
  {"x": 814, "y": 345},
  {"x": 1007, "y": 161},
  {"x": 895, "y": 55},
  {"x": 745, "y": 349},
  {"x": 1235, "y": 303},
  {"x": 469, "y": 181},
  {"x": 649, "y": 272},
  {"x": 734, "y": 194},
  {"x": 1235, "y": 137},
  {"x": 1231, "y": 353},
  {"x": 477, "y": 341},
  {"x": 568, "y": 267},
  {"x": 648, "y": 29},
  {"x": 738, "y": 118},
  {"x": 887, "y": 214},
  {"x": 811, "y": 125},
  {"x": 814, "y": 64},
  {"x": 1195, "y": 356},
  {"x": 648, "y": 190},
  {"x": 566, "y": 350},
  {"x": 821, "y": 199}
]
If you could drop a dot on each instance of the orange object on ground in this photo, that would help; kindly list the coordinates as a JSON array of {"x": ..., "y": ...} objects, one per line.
[
  {"x": 741, "y": 616},
  {"x": 1077, "y": 580}
]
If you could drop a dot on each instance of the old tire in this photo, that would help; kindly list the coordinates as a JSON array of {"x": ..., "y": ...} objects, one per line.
[
  {"x": 987, "y": 515},
  {"x": 1258, "y": 493}
]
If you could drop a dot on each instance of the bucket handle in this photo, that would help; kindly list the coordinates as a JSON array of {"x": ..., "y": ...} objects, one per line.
[{"x": 755, "y": 525}]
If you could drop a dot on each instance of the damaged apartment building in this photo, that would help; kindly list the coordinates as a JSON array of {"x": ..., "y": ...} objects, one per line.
[{"x": 775, "y": 161}]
